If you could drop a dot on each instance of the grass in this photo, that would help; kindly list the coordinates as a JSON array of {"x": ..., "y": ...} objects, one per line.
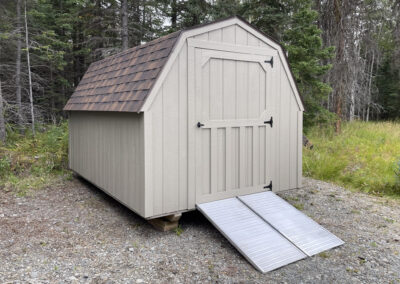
[
  {"x": 365, "y": 157},
  {"x": 28, "y": 162}
]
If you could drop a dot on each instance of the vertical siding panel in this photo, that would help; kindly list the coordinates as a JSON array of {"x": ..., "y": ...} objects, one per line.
[
  {"x": 140, "y": 164},
  {"x": 214, "y": 160},
  {"x": 242, "y": 157},
  {"x": 262, "y": 147},
  {"x": 276, "y": 94},
  {"x": 171, "y": 140},
  {"x": 205, "y": 163},
  {"x": 229, "y": 89},
  {"x": 249, "y": 156},
  {"x": 191, "y": 130},
  {"x": 228, "y": 34},
  {"x": 293, "y": 140},
  {"x": 299, "y": 148},
  {"x": 235, "y": 174},
  {"x": 199, "y": 133},
  {"x": 241, "y": 89},
  {"x": 254, "y": 91},
  {"x": 216, "y": 89},
  {"x": 241, "y": 35},
  {"x": 183, "y": 126},
  {"x": 221, "y": 160},
  {"x": 252, "y": 40},
  {"x": 228, "y": 162},
  {"x": 148, "y": 163},
  {"x": 263, "y": 89},
  {"x": 215, "y": 35},
  {"x": 284, "y": 134},
  {"x": 125, "y": 160},
  {"x": 256, "y": 156},
  {"x": 157, "y": 134}
]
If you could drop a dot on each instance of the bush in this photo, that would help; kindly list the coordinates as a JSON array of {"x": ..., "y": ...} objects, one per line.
[
  {"x": 34, "y": 162},
  {"x": 362, "y": 157}
]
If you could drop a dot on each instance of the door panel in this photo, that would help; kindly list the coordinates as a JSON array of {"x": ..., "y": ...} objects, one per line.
[{"x": 231, "y": 146}]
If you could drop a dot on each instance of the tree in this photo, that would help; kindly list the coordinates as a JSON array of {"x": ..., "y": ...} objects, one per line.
[
  {"x": 270, "y": 17},
  {"x": 124, "y": 31},
  {"x": 29, "y": 73},
  {"x": 18, "y": 67},
  {"x": 307, "y": 58},
  {"x": 2, "y": 120}
]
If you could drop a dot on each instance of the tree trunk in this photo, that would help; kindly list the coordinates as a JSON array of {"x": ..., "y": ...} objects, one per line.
[
  {"x": 174, "y": 15},
  {"x": 370, "y": 85},
  {"x": 29, "y": 73},
  {"x": 124, "y": 32},
  {"x": 352, "y": 105},
  {"x": 340, "y": 62},
  {"x": 2, "y": 122},
  {"x": 18, "y": 68}
]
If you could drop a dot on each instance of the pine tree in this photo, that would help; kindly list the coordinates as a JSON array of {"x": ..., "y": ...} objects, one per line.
[{"x": 303, "y": 42}]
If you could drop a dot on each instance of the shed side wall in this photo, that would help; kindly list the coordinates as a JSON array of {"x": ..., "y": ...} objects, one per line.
[{"x": 107, "y": 149}]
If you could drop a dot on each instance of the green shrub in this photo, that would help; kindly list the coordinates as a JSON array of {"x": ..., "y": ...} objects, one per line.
[
  {"x": 365, "y": 156},
  {"x": 28, "y": 162}
]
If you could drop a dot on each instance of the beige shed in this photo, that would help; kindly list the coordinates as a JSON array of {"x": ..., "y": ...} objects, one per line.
[{"x": 199, "y": 115}]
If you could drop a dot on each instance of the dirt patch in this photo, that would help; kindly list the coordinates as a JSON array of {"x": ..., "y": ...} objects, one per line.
[{"x": 78, "y": 234}]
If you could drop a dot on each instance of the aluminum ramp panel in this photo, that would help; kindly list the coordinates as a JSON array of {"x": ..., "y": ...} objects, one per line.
[
  {"x": 258, "y": 242},
  {"x": 268, "y": 231},
  {"x": 301, "y": 230}
]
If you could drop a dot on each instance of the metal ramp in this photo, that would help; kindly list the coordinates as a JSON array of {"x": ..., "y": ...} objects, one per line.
[{"x": 268, "y": 231}]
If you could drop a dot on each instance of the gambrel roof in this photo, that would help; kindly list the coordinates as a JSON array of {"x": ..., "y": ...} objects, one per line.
[{"x": 124, "y": 81}]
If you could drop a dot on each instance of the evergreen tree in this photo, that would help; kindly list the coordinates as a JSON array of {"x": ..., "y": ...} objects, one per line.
[
  {"x": 303, "y": 42},
  {"x": 269, "y": 16}
]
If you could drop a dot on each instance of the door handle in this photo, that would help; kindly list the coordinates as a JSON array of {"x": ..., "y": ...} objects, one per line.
[{"x": 199, "y": 124}]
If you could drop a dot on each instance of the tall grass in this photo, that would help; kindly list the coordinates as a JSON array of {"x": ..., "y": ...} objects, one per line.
[
  {"x": 28, "y": 162},
  {"x": 365, "y": 156}
]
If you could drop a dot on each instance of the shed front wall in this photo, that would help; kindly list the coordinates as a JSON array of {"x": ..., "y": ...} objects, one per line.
[
  {"x": 107, "y": 149},
  {"x": 168, "y": 187}
]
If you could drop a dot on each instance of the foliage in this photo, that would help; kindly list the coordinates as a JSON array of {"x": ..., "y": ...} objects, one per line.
[
  {"x": 268, "y": 16},
  {"x": 365, "y": 156},
  {"x": 29, "y": 162},
  {"x": 306, "y": 56}
]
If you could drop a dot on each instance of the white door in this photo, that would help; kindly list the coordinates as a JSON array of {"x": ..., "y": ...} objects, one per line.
[{"x": 230, "y": 126}]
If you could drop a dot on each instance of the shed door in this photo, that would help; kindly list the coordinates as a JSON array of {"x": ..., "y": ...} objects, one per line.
[{"x": 232, "y": 143}]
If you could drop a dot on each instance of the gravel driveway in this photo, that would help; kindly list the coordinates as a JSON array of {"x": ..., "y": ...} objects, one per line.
[{"x": 78, "y": 234}]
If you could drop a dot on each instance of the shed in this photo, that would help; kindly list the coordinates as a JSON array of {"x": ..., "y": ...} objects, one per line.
[{"x": 199, "y": 115}]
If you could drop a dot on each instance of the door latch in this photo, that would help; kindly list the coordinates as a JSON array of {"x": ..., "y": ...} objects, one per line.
[
  {"x": 270, "y": 122},
  {"x": 269, "y": 186},
  {"x": 271, "y": 61},
  {"x": 199, "y": 124}
]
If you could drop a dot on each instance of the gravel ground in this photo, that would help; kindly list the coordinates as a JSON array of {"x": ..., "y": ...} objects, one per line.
[{"x": 78, "y": 234}]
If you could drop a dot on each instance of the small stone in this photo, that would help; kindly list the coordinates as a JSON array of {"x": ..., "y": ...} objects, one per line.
[
  {"x": 72, "y": 278},
  {"x": 34, "y": 274},
  {"x": 139, "y": 280},
  {"x": 131, "y": 249}
]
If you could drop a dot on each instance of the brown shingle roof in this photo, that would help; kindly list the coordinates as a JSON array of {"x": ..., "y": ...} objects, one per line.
[{"x": 122, "y": 82}]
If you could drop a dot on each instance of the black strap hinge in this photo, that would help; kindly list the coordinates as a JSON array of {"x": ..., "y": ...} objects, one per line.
[
  {"x": 269, "y": 186},
  {"x": 271, "y": 61},
  {"x": 270, "y": 122}
]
